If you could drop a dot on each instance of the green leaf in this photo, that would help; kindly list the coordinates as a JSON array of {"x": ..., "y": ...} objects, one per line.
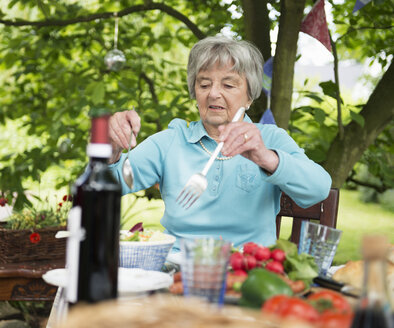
[
  {"x": 96, "y": 90},
  {"x": 315, "y": 97},
  {"x": 9, "y": 59},
  {"x": 296, "y": 115},
  {"x": 43, "y": 7},
  {"x": 298, "y": 266},
  {"x": 301, "y": 267},
  {"x": 316, "y": 155},
  {"x": 12, "y": 3},
  {"x": 151, "y": 114},
  {"x": 305, "y": 109},
  {"x": 329, "y": 89},
  {"x": 287, "y": 246},
  {"x": 357, "y": 118},
  {"x": 319, "y": 116}
]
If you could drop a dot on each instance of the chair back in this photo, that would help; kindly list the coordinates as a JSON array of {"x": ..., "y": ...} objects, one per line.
[{"x": 325, "y": 212}]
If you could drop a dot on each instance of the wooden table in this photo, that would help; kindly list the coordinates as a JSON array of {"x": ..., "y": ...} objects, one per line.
[
  {"x": 23, "y": 281},
  {"x": 164, "y": 311}
]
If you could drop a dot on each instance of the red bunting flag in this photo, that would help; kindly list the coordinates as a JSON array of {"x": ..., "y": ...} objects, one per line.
[{"x": 315, "y": 24}]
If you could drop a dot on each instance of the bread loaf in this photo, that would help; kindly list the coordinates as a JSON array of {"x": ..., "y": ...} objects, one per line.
[{"x": 352, "y": 273}]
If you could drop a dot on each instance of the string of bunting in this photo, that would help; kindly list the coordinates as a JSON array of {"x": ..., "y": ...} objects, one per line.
[
  {"x": 268, "y": 117},
  {"x": 359, "y": 4},
  {"x": 315, "y": 25}
]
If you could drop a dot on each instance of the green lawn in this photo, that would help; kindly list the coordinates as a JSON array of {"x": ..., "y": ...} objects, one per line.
[{"x": 354, "y": 219}]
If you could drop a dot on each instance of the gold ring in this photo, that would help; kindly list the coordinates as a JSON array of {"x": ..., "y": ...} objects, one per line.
[{"x": 246, "y": 137}]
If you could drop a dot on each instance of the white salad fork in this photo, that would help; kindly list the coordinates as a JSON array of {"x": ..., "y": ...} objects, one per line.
[{"x": 197, "y": 183}]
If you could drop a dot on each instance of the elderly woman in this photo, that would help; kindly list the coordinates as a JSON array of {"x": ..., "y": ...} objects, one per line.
[{"x": 256, "y": 164}]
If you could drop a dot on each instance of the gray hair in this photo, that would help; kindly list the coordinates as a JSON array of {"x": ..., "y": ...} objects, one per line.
[{"x": 247, "y": 59}]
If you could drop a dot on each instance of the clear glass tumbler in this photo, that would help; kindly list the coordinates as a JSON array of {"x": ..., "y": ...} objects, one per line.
[
  {"x": 321, "y": 242},
  {"x": 204, "y": 266}
]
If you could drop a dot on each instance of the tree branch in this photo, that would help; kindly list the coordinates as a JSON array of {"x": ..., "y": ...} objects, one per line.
[
  {"x": 337, "y": 88},
  {"x": 151, "y": 87},
  {"x": 154, "y": 96},
  {"x": 106, "y": 15},
  {"x": 378, "y": 112},
  {"x": 379, "y": 189}
]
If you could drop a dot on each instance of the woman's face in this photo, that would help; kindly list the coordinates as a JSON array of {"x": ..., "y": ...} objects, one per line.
[{"x": 220, "y": 92}]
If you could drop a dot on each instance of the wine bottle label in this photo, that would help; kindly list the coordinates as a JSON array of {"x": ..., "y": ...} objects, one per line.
[
  {"x": 99, "y": 150},
  {"x": 72, "y": 255}
]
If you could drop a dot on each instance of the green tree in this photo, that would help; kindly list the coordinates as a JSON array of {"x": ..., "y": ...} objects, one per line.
[{"x": 51, "y": 56}]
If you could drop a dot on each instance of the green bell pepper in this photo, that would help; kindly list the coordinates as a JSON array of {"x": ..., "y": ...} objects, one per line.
[{"x": 260, "y": 286}]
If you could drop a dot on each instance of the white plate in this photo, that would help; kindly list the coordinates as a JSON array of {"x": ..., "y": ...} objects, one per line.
[
  {"x": 56, "y": 277},
  {"x": 139, "y": 280},
  {"x": 130, "y": 281},
  {"x": 334, "y": 269}
]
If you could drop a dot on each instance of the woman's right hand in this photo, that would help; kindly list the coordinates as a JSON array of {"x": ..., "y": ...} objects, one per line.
[{"x": 121, "y": 126}]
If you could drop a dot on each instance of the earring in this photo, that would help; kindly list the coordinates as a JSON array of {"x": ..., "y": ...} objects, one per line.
[{"x": 196, "y": 105}]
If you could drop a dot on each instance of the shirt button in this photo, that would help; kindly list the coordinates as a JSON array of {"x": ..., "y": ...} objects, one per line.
[
  {"x": 214, "y": 188},
  {"x": 217, "y": 178}
]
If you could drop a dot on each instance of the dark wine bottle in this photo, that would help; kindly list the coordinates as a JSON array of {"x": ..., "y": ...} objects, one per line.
[
  {"x": 370, "y": 317},
  {"x": 374, "y": 309},
  {"x": 94, "y": 221}
]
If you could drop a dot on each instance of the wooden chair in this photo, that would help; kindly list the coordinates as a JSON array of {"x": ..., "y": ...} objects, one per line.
[{"x": 325, "y": 213}]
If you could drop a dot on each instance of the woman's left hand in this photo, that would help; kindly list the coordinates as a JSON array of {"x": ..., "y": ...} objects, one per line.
[{"x": 245, "y": 139}]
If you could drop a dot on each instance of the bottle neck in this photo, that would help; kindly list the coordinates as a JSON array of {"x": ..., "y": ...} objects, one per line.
[
  {"x": 99, "y": 145},
  {"x": 375, "y": 283}
]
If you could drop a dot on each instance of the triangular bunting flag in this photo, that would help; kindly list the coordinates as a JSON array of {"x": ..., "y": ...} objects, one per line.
[
  {"x": 267, "y": 76},
  {"x": 359, "y": 4},
  {"x": 267, "y": 117},
  {"x": 315, "y": 24}
]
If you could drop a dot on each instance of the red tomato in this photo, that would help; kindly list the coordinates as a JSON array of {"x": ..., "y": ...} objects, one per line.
[
  {"x": 236, "y": 261},
  {"x": 275, "y": 266},
  {"x": 237, "y": 254},
  {"x": 290, "y": 306},
  {"x": 331, "y": 319},
  {"x": 262, "y": 253},
  {"x": 250, "y": 248},
  {"x": 338, "y": 302},
  {"x": 249, "y": 262},
  {"x": 300, "y": 309},
  {"x": 273, "y": 304},
  {"x": 278, "y": 255}
]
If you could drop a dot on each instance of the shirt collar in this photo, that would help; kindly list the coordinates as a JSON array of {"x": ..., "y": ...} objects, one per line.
[{"x": 196, "y": 130}]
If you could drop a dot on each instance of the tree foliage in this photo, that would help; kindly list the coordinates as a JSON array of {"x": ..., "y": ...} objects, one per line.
[{"x": 52, "y": 72}]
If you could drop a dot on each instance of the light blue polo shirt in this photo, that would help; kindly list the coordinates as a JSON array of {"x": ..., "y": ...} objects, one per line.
[{"x": 241, "y": 201}]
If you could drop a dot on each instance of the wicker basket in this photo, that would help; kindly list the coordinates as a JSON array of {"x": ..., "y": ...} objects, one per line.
[{"x": 20, "y": 246}]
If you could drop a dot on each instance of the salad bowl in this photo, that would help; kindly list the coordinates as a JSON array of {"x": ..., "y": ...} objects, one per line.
[{"x": 147, "y": 253}]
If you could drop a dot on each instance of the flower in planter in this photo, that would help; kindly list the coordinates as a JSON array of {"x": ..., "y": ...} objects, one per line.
[
  {"x": 41, "y": 215},
  {"x": 35, "y": 238},
  {"x": 67, "y": 198},
  {"x": 3, "y": 201}
]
